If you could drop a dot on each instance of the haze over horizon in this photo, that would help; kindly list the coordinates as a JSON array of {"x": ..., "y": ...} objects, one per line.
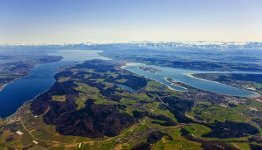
[{"x": 62, "y": 21}]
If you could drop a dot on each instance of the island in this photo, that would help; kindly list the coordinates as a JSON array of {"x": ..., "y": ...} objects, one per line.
[{"x": 149, "y": 69}]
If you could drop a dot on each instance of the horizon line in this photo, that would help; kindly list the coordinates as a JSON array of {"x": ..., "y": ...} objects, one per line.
[{"x": 126, "y": 42}]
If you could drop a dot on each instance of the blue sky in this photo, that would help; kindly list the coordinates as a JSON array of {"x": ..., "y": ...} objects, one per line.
[{"x": 58, "y": 21}]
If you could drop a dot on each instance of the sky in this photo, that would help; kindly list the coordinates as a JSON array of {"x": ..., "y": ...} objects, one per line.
[{"x": 62, "y": 21}]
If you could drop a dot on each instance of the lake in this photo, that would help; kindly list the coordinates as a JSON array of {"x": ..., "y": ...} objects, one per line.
[
  {"x": 40, "y": 79},
  {"x": 184, "y": 76}
]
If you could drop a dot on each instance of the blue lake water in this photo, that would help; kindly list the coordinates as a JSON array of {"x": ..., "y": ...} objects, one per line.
[
  {"x": 40, "y": 79},
  {"x": 127, "y": 88},
  {"x": 24, "y": 89},
  {"x": 183, "y": 76}
]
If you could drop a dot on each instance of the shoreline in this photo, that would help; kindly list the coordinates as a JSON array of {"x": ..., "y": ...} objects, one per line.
[
  {"x": 10, "y": 82},
  {"x": 128, "y": 64},
  {"x": 35, "y": 66},
  {"x": 28, "y": 74},
  {"x": 30, "y": 100},
  {"x": 175, "y": 84},
  {"x": 251, "y": 94},
  {"x": 255, "y": 95},
  {"x": 23, "y": 77},
  {"x": 191, "y": 75},
  {"x": 27, "y": 101},
  {"x": 3, "y": 86}
]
